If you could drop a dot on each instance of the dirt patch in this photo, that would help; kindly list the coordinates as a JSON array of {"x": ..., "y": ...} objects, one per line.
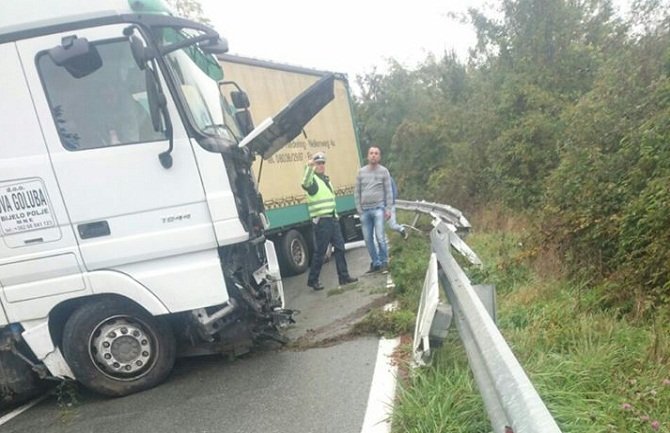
[{"x": 336, "y": 331}]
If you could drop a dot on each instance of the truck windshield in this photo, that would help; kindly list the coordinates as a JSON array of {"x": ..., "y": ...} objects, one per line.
[
  {"x": 210, "y": 111},
  {"x": 105, "y": 108}
]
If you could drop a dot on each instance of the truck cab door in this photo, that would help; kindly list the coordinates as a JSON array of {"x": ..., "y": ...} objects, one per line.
[
  {"x": 125, "y": 207},
  {"x": 40, "y": 263}
]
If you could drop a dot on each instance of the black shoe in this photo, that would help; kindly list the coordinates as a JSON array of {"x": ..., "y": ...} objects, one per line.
[
  {"x": 373, "y": 269},
  {"x": 316, "y": 285},
  {"x": 385, "y": 268},
  {"x": 347, "y": 280}
]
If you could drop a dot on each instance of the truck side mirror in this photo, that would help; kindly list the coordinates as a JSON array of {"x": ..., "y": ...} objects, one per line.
[
  {"x": 244, "y": 120},
  {"x": 214, "y": 46},
  {"x": 139, "y": 52},
  {"x": 240, "y": 99},
  {"x": 77, "y": 56}
]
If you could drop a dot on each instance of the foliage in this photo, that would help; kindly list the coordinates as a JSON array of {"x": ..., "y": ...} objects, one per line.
[
  {"x": 595, "y": 371},
  {"x": 506, "y": 269},
  {"x": 561, "y": 112},
  {"x": 442, "y": 398},
  {"x": 606, "y": 203},
  {"x": 191, "y": 9},
  {"x": 67, "y": 394},
  {"x": 408, "y": 268}
]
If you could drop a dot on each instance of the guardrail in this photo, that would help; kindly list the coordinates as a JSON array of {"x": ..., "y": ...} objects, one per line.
[
  {"x": 444, "y": 212},
  {"x": 512, "y": 403}
]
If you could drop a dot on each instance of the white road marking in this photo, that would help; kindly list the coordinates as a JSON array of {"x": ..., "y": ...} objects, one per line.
[
  {"x": 382, "y": 390},
  {"x": 19, "y": 410}
]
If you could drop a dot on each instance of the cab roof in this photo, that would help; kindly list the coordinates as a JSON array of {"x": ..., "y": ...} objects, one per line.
[{"x": 24, "y": 18}]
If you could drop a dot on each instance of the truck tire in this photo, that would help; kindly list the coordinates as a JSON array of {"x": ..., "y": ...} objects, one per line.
[
  {"x": 293, "y": 253},
  {"x": 116, "y": 348}
]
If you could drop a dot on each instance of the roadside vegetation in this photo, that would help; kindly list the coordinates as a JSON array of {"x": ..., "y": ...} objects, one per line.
[
  {"x": 554, "y": 138},
  {"x": 596, "y": 370},
  {"x": 408, "y": 260},
  {"x": 561, "y": 113}
]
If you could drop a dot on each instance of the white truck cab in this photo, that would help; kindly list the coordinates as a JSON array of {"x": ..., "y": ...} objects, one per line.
[{"x": 131, "y": 227}]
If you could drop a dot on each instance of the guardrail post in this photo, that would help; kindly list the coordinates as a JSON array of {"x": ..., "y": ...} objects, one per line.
[{"x": 416, "y": 219}]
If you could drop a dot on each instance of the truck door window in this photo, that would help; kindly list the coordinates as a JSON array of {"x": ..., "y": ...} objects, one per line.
[
  {"x": 105, "y": 108},
  {"x": 198, "y": 83}
]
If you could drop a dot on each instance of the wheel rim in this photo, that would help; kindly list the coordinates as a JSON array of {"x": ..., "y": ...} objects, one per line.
[
  {"x": 123, "y": 348},
  {"x": 297, "y": 252}
]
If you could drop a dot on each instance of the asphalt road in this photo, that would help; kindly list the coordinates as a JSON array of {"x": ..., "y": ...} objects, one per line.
[{"x": 317, "y": 387}]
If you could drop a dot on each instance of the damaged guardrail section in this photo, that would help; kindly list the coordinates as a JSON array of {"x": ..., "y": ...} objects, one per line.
[{"x": 512, "y": 403}]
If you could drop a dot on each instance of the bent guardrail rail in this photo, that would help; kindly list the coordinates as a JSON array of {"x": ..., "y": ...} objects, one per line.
[
  {"x": 444, "y": 212},
  {"x": 512, "y": 403},
  {"x": 429, "y": 330}
]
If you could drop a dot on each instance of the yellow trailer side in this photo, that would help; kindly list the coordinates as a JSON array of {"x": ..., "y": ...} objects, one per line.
[{"x": 270, "y": 86}]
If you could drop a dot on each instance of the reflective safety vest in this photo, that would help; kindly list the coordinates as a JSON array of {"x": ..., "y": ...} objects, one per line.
[{"x": 323, "y": 202}]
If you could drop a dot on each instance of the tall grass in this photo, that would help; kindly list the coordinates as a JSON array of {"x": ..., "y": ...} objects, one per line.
[
  {"x": 596, "y": 371},
  {"x": 441, "y": 398}
]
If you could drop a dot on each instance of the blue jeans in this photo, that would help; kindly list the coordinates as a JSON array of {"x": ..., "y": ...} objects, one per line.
[
  {"x": 393, "y": 223},
  {"x": 372, "y": 221}
]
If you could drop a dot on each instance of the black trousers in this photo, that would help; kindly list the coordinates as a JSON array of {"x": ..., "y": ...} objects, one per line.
[{"x": 327, "y": 231}]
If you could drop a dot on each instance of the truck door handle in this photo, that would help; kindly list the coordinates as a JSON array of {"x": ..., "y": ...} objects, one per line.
[{"x": 93, "y": 230}]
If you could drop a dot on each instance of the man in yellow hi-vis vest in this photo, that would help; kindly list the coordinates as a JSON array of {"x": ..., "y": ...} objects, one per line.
[{"x": 321, "y": 207}]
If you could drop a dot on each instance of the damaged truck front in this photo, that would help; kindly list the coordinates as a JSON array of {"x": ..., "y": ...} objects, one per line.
[{"x": 132, "y": 228}]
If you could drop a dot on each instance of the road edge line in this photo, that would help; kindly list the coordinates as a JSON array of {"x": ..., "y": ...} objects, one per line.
[
  {"x": 19, "y": 410},
  {"x": 382, "y": 389}
]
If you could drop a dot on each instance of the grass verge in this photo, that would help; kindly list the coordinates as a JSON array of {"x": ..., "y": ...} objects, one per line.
[{"x": 595, "y": 371}]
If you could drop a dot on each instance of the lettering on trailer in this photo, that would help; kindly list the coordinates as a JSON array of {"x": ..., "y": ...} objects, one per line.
[
  {"x": 25, "y": 207},
  {"x": 300, "y": 151},
  {"x": 300, "y": 198}
]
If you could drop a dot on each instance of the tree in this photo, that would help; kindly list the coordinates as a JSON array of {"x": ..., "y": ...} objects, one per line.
[
  {"x": 560, "y": 112},
  {"x": 191, "y": 9}
]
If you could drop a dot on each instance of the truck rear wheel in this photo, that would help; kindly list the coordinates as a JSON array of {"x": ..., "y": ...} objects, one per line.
[
  {"x": 293, "y": 253},
  {"x": 116, "y": 348}
]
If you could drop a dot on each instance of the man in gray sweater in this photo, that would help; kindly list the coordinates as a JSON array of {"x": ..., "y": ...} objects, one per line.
[{"x": 374, "y": 198}]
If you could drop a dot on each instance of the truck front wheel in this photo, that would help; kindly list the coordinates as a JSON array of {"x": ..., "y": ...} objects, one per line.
[
  {"x": 293, "y": 253},
  {"x": 116, "y": 348}
]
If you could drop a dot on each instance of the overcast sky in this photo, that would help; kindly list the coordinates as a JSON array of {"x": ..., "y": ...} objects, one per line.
[
  {"x": 342, "y": 36},
  {"x": 350, "y": 36}
]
